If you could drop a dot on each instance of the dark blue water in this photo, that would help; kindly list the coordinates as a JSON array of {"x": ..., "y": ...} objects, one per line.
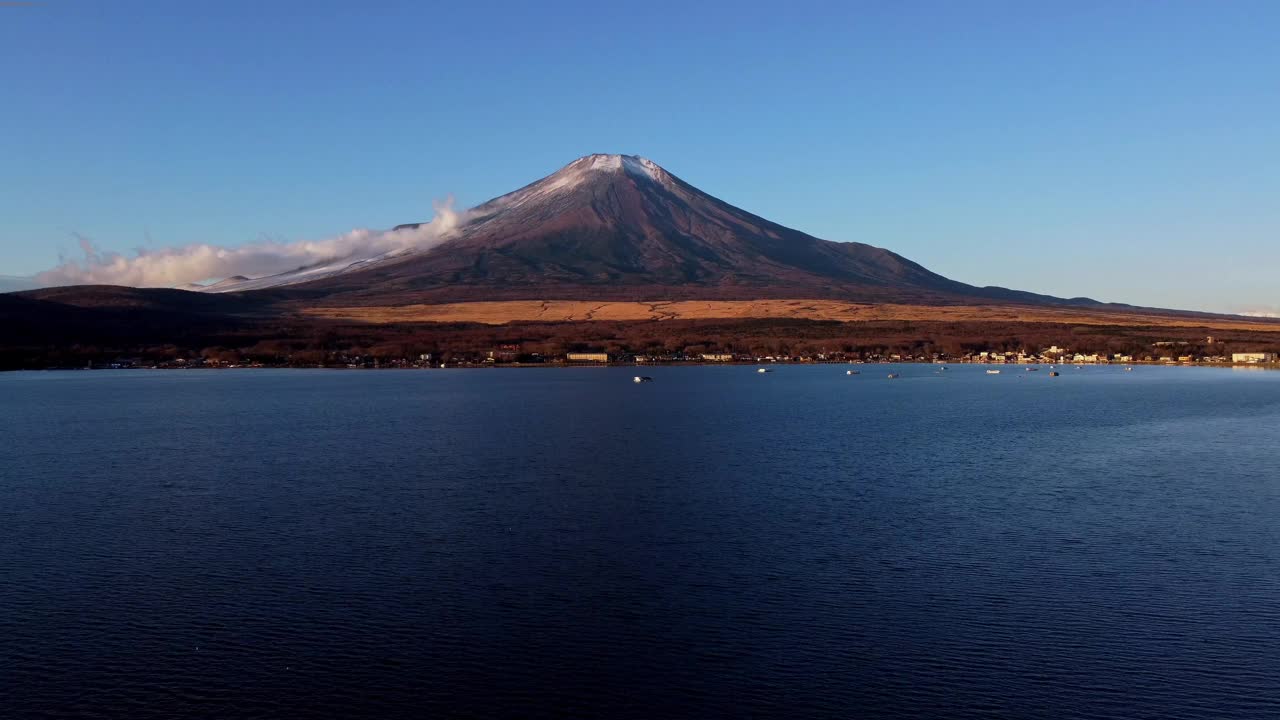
[{"x": 565, "y": 543}]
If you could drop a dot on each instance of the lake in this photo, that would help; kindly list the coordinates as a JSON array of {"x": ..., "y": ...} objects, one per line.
[{"x": 567, "y": 543}]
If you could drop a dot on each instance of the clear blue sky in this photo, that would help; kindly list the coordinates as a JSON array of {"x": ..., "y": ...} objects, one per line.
[{"x": 1129, "y": 151}]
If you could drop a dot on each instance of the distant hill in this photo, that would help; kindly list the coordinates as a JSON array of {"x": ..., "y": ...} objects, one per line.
[
  {"x": 166, "y": 299},
  {"x": 41, "y": 327}
]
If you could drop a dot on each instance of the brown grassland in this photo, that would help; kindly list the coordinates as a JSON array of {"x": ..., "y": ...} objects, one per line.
[{"x": 512, "y": 311}]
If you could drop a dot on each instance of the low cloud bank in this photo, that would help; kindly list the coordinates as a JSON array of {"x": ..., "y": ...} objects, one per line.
[{"x": 201, "y": 262}]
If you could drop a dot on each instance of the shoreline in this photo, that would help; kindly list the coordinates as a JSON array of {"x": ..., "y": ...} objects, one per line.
[{"x": 668, "y": 364}]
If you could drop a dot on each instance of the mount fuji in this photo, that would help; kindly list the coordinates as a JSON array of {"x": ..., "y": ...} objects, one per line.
[{"x": 620, "y": 227}]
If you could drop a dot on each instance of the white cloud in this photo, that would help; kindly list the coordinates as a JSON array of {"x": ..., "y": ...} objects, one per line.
[{"x": 203, "y": 262}]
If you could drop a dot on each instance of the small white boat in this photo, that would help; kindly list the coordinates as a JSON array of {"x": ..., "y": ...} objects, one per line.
[
  {"x": 993, "y": 372},
  {"x": 1031, "y": 369},
  {"x": 763, "y": 370},
  {"x": 894, "y": 376},
  {"x": 1128, "y": 369},
  {"x": 850, "y": 372},
  {"x": 642, "y": 379}
]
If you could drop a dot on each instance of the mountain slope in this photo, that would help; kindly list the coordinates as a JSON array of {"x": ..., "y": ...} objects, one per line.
[{"x": 621, "y": 227}]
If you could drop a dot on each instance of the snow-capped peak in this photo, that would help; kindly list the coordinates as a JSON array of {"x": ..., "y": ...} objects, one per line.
[
  {"x": 583, "y": 168},
  {"x": 583, "y": 171},
  {"x": 631, "y": 164}
]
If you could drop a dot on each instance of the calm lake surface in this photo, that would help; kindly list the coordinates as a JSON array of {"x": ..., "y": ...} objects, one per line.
[{"x": 566, "y": 543}]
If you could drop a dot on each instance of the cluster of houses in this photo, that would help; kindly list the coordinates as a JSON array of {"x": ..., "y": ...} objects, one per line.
[
  {"x": 1165, "y": 352},
  {"x": 176, "y": 363},
  {"x": 512, "y": 355},
  {"x": 1050, "y": 356}
]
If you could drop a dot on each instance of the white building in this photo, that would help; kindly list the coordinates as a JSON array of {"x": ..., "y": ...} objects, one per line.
[{"x": 1253, "y": 357}]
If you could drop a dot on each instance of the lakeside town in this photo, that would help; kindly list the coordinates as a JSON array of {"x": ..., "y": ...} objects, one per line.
[{"x": 511, "y": 355}]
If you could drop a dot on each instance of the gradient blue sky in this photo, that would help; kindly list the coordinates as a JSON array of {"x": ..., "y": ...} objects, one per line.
[{"x": 1128, "y": 151}]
